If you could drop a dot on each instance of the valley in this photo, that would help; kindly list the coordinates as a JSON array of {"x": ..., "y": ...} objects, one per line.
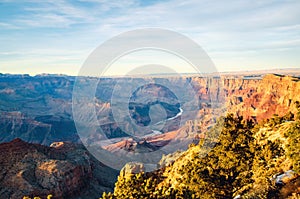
[{"x": 38, "y": 130}]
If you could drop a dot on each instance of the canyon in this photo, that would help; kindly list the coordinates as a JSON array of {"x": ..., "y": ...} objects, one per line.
[
  {"x": 39, "y": 109},
  {"x": 38, "y": 132}
]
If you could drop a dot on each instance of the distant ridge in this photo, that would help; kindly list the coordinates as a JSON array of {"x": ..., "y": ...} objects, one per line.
[{"x": 280, "y": 71}]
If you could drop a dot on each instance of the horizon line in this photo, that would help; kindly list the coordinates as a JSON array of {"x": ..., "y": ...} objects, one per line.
[{"x": 258, "y": 72}]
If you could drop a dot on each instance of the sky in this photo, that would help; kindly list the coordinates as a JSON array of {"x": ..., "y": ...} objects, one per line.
[{"x": 57, "y": 36}]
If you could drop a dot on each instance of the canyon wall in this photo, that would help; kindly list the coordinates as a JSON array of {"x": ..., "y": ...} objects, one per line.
[
  {"x": 39, "y": 109},
  {"x": 256, "y": 97}
]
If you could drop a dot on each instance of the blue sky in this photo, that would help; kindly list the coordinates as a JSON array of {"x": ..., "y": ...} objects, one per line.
[{"x": 57, "y": 36}]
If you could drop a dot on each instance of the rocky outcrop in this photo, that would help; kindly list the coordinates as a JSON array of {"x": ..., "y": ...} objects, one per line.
[
  {"x": 65, "y": 170},
  {"x": 132, "y": 168}
]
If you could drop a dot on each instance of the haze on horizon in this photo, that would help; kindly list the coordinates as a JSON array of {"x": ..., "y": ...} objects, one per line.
[{"x": 57, "y": 37}]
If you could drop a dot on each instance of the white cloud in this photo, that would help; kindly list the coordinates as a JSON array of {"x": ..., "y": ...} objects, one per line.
[
  {"x": 225, "y": 29},
  {"x": 8, "y": 26}
]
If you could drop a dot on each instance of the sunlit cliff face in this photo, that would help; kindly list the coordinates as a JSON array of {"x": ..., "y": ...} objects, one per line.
[{"x": 39, "y": 108}]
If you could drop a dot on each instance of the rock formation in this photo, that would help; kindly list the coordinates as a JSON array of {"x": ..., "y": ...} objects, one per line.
[
  {"x": 38, "y": 109},
  {"x": 65, "y": 170}
]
